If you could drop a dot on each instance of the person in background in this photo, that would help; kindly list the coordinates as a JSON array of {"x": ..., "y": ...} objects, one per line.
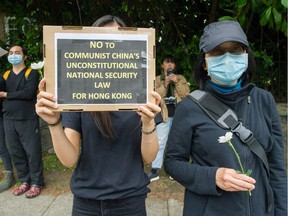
[
  {"x": 172, "y": 87},
  {"x": 109, "y": 148},
  {"x": 21, "y": 123},
  {"x": 8, "y": 180},
  {"x": 208, "y": 168}
]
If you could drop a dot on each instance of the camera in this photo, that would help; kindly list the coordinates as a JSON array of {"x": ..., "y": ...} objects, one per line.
[
  {"x": 169, "y": 71},
  {"x": 170, "y": 100}
]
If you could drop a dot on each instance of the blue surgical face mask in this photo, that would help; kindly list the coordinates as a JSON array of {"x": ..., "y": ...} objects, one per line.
[
  {"x": 15, "y": 59},
  {"x": 227, "y": 68}
]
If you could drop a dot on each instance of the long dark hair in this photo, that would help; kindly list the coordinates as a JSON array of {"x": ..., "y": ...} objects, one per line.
[
  {"x": 200, "y": 74},
  {"x": 102, "y": 119},
  {"x": 107, "y": 19}
]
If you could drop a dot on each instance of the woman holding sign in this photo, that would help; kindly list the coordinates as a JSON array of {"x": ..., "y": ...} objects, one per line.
[{"x": 109, "y": 149}]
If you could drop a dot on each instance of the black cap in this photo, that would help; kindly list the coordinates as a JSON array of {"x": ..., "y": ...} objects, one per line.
[{"x": 219, "y": 32}]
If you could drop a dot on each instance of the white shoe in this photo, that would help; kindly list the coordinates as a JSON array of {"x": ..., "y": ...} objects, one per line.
[{"x": 153, "y": 177}]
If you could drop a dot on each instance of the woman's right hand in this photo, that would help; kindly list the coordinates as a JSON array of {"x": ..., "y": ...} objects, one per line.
[
  {"x": 46, "y": 103},
  {"x": 229, "y": 180}
]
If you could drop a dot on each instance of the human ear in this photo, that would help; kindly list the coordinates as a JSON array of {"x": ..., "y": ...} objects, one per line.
[{"x": 204, "y": 65}]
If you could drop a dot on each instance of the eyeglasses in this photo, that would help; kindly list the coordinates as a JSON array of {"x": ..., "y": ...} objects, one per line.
[{"x": 236, "y": 50}]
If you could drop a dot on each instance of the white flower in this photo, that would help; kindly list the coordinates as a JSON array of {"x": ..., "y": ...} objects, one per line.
[
  {"x": 227, "y": 139},
  {"x": 223, "y": 139},
  {"x": 37, "y": 66}
]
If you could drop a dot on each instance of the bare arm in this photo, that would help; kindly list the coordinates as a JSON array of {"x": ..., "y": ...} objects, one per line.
[
  {"x": 149, "y": 144},
  {"x": 66, "y": 142}
]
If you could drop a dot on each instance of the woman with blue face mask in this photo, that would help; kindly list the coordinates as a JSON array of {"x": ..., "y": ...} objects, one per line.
[{"x": 209, "y": 169}]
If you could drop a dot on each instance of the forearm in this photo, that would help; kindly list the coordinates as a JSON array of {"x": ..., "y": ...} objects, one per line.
[
  {"x": 149, "y": 143},
  {"x": 66, "y": 151}
]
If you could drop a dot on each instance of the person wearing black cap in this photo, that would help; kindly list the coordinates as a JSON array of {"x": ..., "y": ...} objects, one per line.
[{"x": 195, "y": 155}]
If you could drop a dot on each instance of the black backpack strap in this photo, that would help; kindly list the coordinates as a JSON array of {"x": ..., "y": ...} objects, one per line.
[
  {"x": 216, "y": 110},
  {"x": 225, "y": 117}
]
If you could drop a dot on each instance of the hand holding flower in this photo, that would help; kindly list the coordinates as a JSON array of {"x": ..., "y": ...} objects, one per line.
[
  {"x": 230, "y": 180},
  {"x": 244, "y": 176}
]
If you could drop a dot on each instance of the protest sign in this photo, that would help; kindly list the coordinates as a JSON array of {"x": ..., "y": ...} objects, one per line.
[{"x": 99, "y": 68}]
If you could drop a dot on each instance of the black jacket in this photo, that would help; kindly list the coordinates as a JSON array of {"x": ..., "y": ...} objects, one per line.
[{"x": 194, "y": 154}]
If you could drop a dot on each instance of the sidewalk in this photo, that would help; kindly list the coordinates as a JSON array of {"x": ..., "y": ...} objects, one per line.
[{"x": 49, "y": 205}]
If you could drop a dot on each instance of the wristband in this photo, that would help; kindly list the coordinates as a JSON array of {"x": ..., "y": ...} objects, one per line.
[
  {"x": 57, "y": 122},
  {"x": 149, "y": 132}
]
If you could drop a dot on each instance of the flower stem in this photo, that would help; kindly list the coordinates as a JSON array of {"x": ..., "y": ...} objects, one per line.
[
  {"x": 249, "y": 192},
  {"x": 237, "y": 155},
  {"x": 239, "y": 161}
]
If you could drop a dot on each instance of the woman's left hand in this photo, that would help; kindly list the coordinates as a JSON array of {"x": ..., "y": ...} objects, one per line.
[{"x": 150, "y": 110}]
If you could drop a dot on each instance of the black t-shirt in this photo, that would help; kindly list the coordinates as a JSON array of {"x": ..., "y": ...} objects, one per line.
[
  {"x": 21, "y": 95},
  {"x": 170, "y": 107},
  {"x": 108, "y": 168}
]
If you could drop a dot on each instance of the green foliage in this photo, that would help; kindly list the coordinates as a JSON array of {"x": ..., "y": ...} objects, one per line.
[
  {"x": 52, "y": 163},
  {"x": 264, "y": 66},
  {"x": 271, "y": 13},
  {"x": 178, "y": 26},
  {"x": 284, "y": 3}
]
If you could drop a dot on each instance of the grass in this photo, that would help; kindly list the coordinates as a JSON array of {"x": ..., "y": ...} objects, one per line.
[{"x": 52, "y": 163}]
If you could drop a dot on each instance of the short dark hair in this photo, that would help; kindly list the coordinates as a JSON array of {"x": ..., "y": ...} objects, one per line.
[
  {"x": 169, "y": 58},
  {"x": 200, "y": 75},
  {"x": 23, "y": 49},
  {"x": 104, "y": 20}
]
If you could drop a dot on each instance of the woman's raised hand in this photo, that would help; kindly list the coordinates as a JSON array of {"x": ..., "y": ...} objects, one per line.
[
  {"x": 150, "y": 110},
  {"x": 46, "y": 104}
]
